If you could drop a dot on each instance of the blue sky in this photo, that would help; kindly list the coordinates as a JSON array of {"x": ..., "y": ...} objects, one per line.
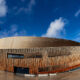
[{"x": 42, "y": 18}]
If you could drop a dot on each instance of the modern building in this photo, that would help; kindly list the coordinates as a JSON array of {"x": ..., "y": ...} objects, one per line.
[{"x": 38, "y": 55}]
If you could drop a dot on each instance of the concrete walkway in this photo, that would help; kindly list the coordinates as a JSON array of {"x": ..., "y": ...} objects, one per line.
[{"x": 75, "y": 75}]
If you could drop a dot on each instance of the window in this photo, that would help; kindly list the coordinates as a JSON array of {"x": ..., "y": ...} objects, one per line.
[
  {"x": 21, "y": 70},
  {"x": 34, "y": 56},
  {"x": 15, "y": 55}
]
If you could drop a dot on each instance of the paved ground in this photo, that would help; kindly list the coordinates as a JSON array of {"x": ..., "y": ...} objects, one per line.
[{"x": 75, "y": 75}]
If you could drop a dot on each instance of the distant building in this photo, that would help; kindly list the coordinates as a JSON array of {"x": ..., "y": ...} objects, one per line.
[{"x": 34, "y": 55}]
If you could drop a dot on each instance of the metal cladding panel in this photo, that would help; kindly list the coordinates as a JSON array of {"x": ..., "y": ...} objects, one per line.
[
  {"x": 28, "y": 42},
  {"x": 54, "y": 59}
]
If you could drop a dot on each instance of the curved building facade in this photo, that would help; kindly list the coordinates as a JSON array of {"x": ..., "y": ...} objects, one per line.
[{"x": 34, "y": 55}]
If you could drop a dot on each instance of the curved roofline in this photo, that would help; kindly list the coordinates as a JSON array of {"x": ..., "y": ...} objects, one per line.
[
  {"x": 39, "y": 37},
  {"x": 28, "y": 42}
]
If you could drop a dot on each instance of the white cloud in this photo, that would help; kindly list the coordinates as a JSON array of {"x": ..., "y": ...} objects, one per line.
[
  {"x": 3, "y": 8},
  {"x": 55, "y": 28},
  {"x": 77, "y": 13},
  {"x": 27, "y": 9},
  {"x": 13, "y": 28},
  {"x": 13, "y": 31},
  {"x": 77, "y": 37},
  {"x": 20, "y": 33},
  {"x": 30, "y": 5}
]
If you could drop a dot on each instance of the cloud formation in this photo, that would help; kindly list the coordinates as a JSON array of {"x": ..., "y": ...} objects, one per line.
[
  {"x": 27, "y": 9},
  {"x": 77, "y": 38},
  {"x": 30, "y": 5},
  {"x": 3, "y": 8},
  {"x": 55, "y": 28},
  {"x": 77, "y": 13},
  {"x": 13, "y": 31}
]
